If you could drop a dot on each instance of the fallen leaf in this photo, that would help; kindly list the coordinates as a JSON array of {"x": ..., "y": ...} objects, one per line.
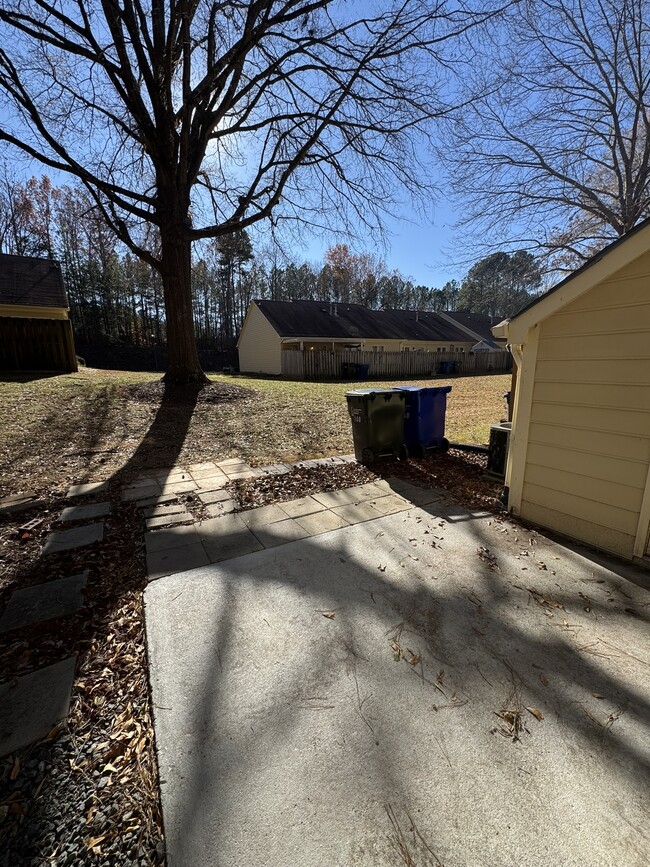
[
  {"x": 414, "y": 659},
  {"x": 536, "y": 713},
  {"x": 95, "y": 841},
  {"x": 329, "y": 614},
  {"x": 597, "y": 695},
  {"x": 543, "y": 679},
  {"x": 15, "y": 770},
  {"x": 381, "y": 568}
]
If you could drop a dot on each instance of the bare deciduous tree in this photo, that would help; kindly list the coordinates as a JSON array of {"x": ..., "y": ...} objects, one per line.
[
  {"x": 204, "y": 118},
  {"x": 554, "y": 152}
]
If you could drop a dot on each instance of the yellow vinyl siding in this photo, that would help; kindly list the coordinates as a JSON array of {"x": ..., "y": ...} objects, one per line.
[
  {"x": 23, "y": 312},
  {"x": 259, "y": 345},
  {"x": 589, "y": 436}
]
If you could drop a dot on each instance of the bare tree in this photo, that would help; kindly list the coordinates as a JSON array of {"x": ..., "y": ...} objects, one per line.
[
  {"x": 204, "y": 118},
  {"x": 554, "y": 152}
]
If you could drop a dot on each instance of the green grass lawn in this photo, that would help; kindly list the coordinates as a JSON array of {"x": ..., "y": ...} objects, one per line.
[{"x": 58, "y": 429}]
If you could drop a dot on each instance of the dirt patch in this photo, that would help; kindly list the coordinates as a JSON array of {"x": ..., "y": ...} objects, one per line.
[{"x": 213, "y": 394}]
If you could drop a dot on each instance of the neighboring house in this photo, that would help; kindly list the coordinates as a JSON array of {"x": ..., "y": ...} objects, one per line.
[
  {"x": 35, "y": 331},
  {"x": 272, "y": 327},
  {"x": 579, "y": 459}
]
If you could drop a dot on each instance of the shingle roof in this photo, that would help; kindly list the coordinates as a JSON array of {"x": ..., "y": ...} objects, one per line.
[
  {"x": 479, "y": 323},
  {"x": 31, "y": 282},
  {"x": 354, "y": 322}
]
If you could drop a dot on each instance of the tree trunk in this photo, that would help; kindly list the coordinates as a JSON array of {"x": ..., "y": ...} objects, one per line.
[{"x": 176, "y": 273}]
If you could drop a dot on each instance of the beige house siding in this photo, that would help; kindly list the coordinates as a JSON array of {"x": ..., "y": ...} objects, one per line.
[
  {"x": 370, "y": 345},
  {"x": 259, "y": 344},
  {"x": 588, "y": 446}
]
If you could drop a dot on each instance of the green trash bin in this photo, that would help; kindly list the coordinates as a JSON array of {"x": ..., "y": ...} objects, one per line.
[{"x": 377, "y": 417}]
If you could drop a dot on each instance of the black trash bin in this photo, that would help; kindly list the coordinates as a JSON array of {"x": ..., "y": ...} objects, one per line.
[{"x": 377, "y": 417}]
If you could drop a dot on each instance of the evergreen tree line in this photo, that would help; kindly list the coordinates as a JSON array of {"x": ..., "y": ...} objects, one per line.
[{"x": 116, "y": 298}]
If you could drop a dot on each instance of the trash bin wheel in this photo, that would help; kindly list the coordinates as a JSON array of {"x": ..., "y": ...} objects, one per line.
[
  {"x": 444, "y": 445},
  {"x": 418, "y": 451},
  {"x": 367, "y": 456},
  {"x": 403, "y": 453}
]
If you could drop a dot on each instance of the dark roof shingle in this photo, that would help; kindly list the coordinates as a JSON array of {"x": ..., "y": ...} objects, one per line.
[
  {"x": 31, "y": 282},
  {"x": 320, "y": 319}
]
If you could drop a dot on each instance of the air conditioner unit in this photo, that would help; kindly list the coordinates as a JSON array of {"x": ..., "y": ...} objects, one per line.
[{"x": 498, "y": 448}]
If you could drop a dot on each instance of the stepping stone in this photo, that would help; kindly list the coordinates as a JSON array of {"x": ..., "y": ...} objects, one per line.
[
  {"x": 179, "y": 487},
  {"x": 366, "y": 492},
  {"x": 219, "y": 496},
  {"x": 19, "y": 503},
  {"x": 78, "y": 537},
  {"x": 321, "y": 522},
  {"x": 303, "y": 506},
  {"x": 161, "y": 563},
  {"x": 263, "y": 516},
  {"x": 390, "y": 504},
  {"x": 225, "y": 507},
  {"x": 83, "y": 513},
  {"x": 227, "y": 537},
  {"x": 157, "y": 500},
  {"x": 87, "y": 488},
  {"x": 174, "y": 537},
  {"x": 32, "y": 704},
  {"x": 245, "y": 474},
  {"x": 212, "y": 483},
  {"x": 140, "y": 492},
  {"x": 233, "y": 464},
  {"x": 415, "y": 495},
  {"x": 355, "y": 513},
  {"x": 166, "y": 520},
  {"x": 206, "y": 465},
  {"x": 173, "y": 477},
  {"x": 330, "y": 499},
  {"x": 207, "y": 472},
  {"x": 164, "y": 509},
  {"x": 44, "y": 602},
  {"x": 279, "y": 533}
]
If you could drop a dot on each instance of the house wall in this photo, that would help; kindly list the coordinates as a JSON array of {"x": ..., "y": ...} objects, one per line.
[
  {"x": 588, "y": 446},
  {"x": 259, "y": 345},
  {"x": 25, "y": 312},
  {"x": 367, "y": 345}
]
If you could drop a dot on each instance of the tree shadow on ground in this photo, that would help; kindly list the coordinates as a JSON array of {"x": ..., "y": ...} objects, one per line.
[{"x": 499, "y": 646}]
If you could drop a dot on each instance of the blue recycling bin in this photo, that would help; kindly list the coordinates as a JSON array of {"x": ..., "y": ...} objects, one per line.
[{"x": 424, "y": 419}]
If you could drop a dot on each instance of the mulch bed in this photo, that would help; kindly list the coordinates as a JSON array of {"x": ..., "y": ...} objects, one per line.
[{"x": 88, "y": 795}]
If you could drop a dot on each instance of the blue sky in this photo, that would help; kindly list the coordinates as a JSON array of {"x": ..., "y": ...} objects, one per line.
[{"x": 414, "y": 248}]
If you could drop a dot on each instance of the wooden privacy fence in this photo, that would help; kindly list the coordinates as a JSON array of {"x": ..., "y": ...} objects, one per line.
[
  {"x": 36, "y": 344},
  {"x": 320, "y": 364}
]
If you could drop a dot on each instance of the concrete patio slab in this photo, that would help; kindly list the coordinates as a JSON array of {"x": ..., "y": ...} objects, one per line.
[
  {"x": 44, "y": 602},
  {"x": 242, "y": 474},
  {"x": 87, "y": 488},
  {"x": 390, "y": 504},
  {"x": 83, "y": 513},
  {"x": 303, "y": 506},
  {"x": 416, "y": 495},
  {"x": 167, "y": 520},
  {"x": 19, "y": 503},
  {"x": 180, "y": 559},
  {"x": 168, "y": 477},
  {"x": 77, "y": 537},
  {"x": 204, "y": 465},
  {"x": 324, "y": 702},
  {"x": 30, "y": 705}
]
